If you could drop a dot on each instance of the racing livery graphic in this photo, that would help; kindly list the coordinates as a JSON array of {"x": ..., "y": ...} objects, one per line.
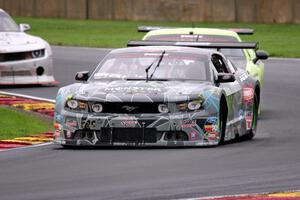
[{"x": 158, "y": 94}]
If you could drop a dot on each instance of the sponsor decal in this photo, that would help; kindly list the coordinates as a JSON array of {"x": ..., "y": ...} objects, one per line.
[
  {"x": 59, "y": 118},
  {"x": 210, "y": 128},
  {"x": 248, "y": 94},
  {"x": 248, "y": 121},
  {"x": 212, "y": 135},
  {"x": 71, "y": 122},
  {"x": 212, "y": 120},
  {"x": 129, "y": 123},
  {"x": 187, "y": 123},
  {"x": 90, "y": 123},
  {"x": 133, "y": 89},
  {"x": 69, "y": 134},
  {"x": 193, "y": 135},
  {"x": 241, "y": 113},
  {"x": 189, "y": 36}
]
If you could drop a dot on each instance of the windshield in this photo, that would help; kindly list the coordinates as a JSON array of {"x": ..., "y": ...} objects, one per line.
[
  {"x": 161, "y": 66},
  {"x": 7, "y": 24},
  {"x": 201, "y": 38}
]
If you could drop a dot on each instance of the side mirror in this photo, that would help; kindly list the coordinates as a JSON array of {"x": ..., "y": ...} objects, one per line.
[
  {"x": 82, "y": 76},
  {"x": 260, "y": 55},
  {"x": 24, "y": 27},
  {"x": 225, "y": 78}
]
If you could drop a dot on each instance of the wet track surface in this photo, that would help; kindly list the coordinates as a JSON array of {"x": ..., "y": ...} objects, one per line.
[{"x": 270, "y": 162}]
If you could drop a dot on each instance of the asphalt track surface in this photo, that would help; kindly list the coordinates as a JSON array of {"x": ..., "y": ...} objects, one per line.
[{"x": 270, "y": 162}]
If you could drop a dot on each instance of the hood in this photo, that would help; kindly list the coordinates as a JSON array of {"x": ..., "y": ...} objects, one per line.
[
  {"x": 19, "y": 41},
  {"x": 138, "y": 91}
]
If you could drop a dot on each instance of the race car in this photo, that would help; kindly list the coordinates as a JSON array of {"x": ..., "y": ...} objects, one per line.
[
  {"x": 24, "y": 59},
  {"x": 159, "y": 94},
  {"x": 242, "y": 58}
]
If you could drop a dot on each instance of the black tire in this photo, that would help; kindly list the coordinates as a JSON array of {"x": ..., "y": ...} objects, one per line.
[
  {"x": 222, "y": 125},
  {"x": 251, "y": 133},
  {"x": 69, "y": 146},
  {"x": 65, "y": 146}
]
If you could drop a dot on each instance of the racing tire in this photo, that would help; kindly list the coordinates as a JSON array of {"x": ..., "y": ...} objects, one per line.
[
  {"x": 251, "y": 133},
  {"x": 222, "y": 125}
]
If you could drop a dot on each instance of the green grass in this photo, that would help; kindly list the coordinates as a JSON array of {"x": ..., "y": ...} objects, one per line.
[
  {"x": 278, "y": 39},
  {"x": 17, "y": 124}
]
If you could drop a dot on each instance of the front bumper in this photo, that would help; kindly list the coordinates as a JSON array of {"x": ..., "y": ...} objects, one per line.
[
  {"x": 26, "y": 72},
  {"x": 178, "y": 129}
]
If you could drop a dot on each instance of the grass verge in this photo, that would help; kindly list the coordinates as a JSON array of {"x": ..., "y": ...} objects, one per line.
[
  {"x": 281, "y": 40},
  {"x": 14, "y": 124}
]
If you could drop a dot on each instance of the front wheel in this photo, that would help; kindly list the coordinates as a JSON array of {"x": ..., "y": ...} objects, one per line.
[
  {"x": 222, "y": 125},
  {"x": 251, "y": 133}
]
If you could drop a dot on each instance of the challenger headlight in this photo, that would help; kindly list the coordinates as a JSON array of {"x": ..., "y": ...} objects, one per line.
[
  {"x": 38, "y": 53},
  {"x": 77, "y": 105},
  {"x": 163, "y": 108},
  {"x": 97, "y": 107}
]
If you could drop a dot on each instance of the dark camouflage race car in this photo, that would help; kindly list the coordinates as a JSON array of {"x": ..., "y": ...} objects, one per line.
[{"x": 159, "y": 95}]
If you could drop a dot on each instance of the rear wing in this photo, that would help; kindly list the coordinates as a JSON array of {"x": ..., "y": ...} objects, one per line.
[
  {"x": 240, "y": 31},
  {"x": 213, "y": 45}
]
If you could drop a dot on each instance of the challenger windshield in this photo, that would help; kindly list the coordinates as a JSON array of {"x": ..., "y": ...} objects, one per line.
[
  {"x": 7, "y": 24},
  {"x": 161, "y": 66}
]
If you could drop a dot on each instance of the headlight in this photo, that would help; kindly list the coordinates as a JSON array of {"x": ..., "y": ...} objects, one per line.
[
  {"x": 194, "y": 105},
  {"x": 97, "y": 107},
  {"x": 163, "y": 108},
  {"x": 72, "y": 103},
  {"x": 38, "y": 53},
  {"x": 77, "y": 105}
]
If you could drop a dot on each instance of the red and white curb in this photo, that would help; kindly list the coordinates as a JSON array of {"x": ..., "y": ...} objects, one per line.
[
  {"x": 288, "y": 195},
  {"x": 29, "y": 103}
]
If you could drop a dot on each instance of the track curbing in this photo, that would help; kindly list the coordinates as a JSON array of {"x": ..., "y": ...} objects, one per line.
[{"x": 28, "y": 103}]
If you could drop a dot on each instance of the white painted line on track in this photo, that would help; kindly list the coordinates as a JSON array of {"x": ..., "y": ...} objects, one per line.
[
  {"x": 27, "y": 147},
  {"x": 27, "y": 96}
]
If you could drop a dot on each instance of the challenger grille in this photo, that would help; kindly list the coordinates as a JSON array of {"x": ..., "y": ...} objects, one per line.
[
  {"x": 6, "y": 57},
  {"x": 130, "y": 108}
]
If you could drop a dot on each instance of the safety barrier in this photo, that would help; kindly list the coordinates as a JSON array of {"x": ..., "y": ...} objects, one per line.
[{"x": 254, "y": 11}]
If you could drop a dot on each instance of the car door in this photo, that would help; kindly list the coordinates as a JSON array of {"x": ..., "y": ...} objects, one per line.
[{"x": 233, "y": 92}]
